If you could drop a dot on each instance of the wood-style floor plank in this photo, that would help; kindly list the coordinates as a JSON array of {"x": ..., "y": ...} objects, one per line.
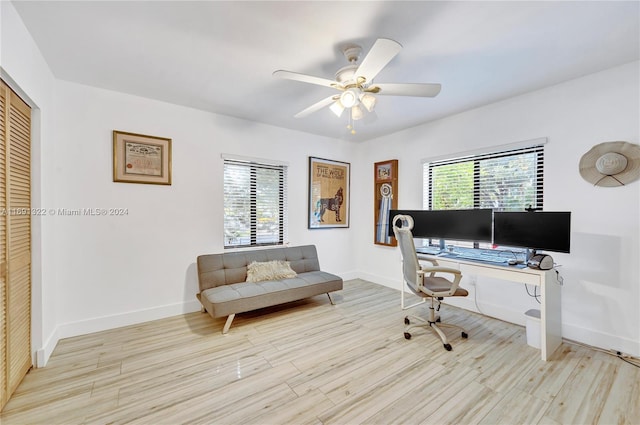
[
  {"x": 602, "y": 390},
  {"x": 310, "y": 362}
]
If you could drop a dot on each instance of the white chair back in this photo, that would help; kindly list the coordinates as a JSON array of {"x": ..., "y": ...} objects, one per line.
[{"x": 402, "y": 225}]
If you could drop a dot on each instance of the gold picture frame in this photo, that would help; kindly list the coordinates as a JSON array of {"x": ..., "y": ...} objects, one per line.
[
  {"x": 139, "y": 158},
  {"x": 385, "y": 199},
  {"x": 328, "y": 193}
]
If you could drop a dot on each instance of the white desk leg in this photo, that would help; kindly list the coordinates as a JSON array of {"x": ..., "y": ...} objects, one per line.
[{"x": 550, "y": 314}]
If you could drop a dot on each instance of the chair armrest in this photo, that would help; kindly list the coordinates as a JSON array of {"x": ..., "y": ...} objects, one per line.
[
  {"x": 432, "y": 270},
  {"x": 435, "y": 267},
  {"x": 433, "y": 261}
]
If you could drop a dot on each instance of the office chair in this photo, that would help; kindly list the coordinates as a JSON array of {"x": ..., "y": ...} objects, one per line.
[{"x": 423, "y": 282}]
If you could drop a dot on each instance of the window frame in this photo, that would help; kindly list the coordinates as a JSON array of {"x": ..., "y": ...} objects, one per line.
[
  {"x": 253, "y": 166},
  {"x": 512, "y": 150}
]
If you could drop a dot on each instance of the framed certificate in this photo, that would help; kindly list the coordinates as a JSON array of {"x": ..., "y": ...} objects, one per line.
[{"x": 138, "y": 158}]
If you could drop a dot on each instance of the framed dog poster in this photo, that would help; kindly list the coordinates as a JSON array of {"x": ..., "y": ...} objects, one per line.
[{"x": 328, "y": 193}]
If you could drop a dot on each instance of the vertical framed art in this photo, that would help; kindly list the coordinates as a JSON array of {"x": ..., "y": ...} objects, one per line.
[
  {"x": 138, "y": 158},
  {"x": 328, "y": 193},
  {"x": 385, "y": 198}
]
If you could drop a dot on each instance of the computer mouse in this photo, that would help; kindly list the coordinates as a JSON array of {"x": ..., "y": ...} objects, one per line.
[{"x": 512, "y": 262}]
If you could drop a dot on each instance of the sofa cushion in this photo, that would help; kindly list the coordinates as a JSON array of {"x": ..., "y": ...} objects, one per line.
[
  {"x": 246, "y": 296},
  {"x": 259, "y": 271}
]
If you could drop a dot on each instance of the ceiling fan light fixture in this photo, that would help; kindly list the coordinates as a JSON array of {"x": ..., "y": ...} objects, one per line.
[
  {"x": 337, "y": 108},
  {"x": 349, "y": 98},
  {"x": 368, "y": 100},
  {"x": 356, "y": 113},
  {"x": 354, "y": 82}
]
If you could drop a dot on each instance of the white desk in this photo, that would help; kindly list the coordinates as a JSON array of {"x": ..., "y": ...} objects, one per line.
[{"x": 550, "y": 294}]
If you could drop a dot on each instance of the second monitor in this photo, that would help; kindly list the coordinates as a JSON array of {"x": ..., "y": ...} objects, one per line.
[{"x": 542, "y": 230}]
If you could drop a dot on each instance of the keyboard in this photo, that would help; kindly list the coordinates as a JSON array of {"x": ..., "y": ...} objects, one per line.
[
  {"x": 429, "y": 251},
  {"x": 480, "y": 257}
]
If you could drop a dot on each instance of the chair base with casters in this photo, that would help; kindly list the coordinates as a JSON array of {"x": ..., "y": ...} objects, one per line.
[{"x": 433, "y": 322}]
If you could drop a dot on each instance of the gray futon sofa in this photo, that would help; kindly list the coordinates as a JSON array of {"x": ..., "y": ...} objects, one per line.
[{"x": 225, "y": 292}]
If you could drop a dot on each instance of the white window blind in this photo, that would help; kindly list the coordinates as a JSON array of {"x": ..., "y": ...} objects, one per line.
[
  {"x": 508, "y": 180},
  {"x": 255, "y": 203}
]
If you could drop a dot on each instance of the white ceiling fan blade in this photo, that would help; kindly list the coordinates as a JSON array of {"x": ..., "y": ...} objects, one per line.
[
  {"x": 288, "y": 75},
  {"x": 408, "y": 89},
  {"x": 316, "y": 106},
  {"x": 379, "y": 56}
]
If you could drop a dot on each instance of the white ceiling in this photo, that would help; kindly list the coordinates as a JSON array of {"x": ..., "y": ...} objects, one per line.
[{"x": 220, "y": 56}]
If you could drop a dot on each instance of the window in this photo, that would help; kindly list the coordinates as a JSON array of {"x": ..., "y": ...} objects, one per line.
[
  {"x": 505, "y": 180},
  {"x": 255, "y": 203}
]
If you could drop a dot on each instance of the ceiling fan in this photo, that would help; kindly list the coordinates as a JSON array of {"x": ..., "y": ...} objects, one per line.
[{"x": 355, "y": 82}]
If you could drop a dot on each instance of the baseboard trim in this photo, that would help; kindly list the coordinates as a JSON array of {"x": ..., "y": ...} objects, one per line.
[
  {"x": 98, "y": 324},
  {"x": 601, "y": 340},
  {"x": 349, "y": 275},
  {"x": 389, "y": 283},
  {"x": 43, "y": 354}
]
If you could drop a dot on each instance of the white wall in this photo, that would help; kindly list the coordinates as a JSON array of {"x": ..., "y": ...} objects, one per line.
[
  {"x": 601, "y": 290},
  {"x": 25, "y": 70},
  {"x": 123, "y": 269}
]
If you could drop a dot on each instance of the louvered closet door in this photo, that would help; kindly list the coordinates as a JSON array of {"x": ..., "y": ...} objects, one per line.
[
  {"x": 15, "y": 240},
  {"x": 3, "y": 264}
]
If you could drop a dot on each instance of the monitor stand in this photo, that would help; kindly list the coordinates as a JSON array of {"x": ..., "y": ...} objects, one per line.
[
  {"x": 442, "y": 245},
  {"x": 530, "y": 253}
]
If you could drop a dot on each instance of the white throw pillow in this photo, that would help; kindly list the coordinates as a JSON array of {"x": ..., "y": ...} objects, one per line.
[{"x": 269, "y": 270}]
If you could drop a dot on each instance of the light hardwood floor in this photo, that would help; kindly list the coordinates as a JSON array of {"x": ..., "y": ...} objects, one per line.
[{"x": 313, "y": 363}]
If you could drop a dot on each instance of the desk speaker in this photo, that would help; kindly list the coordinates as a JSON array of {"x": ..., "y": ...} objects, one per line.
[{"x": 541, "y": 262}]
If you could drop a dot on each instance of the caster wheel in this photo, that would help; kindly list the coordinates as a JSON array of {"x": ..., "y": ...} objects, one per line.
[
  {"x": 406, "y": 321},
  {"x": 447, "y": 347},
  {"x": 438, "y": 320},
  {"x": 407, "y": 335},
  {"x": 464, "y": 335}
]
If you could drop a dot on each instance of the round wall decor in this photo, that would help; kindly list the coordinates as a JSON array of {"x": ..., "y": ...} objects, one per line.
[{"x": 611, "y": 164}]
